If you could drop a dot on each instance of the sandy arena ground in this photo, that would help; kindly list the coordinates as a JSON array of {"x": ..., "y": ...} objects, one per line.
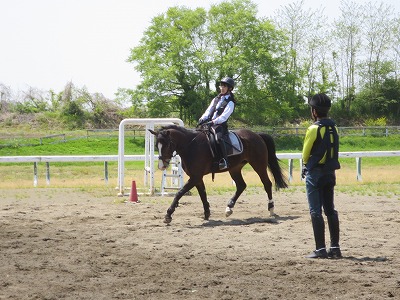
[{"x": 74, "y": 244}]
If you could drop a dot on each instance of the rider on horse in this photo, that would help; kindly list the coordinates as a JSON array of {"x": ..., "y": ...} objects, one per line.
[{"x": 218, "y": 113}]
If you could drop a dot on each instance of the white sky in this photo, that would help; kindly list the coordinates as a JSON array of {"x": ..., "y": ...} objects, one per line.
[{"x": 46, "y": 43}]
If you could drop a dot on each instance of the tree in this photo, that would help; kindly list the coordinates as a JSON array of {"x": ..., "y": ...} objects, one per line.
[
  {"x": 5, "y": 98},
  {"x": 309, "y": 68},
  {"x": 378, "y": 27},
  {"x": 347, "y": 34},
  {"x": 294, "y": 22},
  {"x": 185, "y": 52},
  {"x": 172, "y": 60},
  {"x": 249, "y": 50}
]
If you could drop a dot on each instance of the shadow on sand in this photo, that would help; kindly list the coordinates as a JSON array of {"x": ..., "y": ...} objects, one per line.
[{"x": 249, "y": 221}]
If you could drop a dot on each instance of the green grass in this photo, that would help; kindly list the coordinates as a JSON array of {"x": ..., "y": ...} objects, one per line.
[
  {"x": 83, "y": 146},
  {"x": 371, "y": 189},
  {"x": 109, "y": 145},
  {"x": 347, "y": 143},
  {"x": 358, "y": 143},
  {"x": 86, "y": 174}
]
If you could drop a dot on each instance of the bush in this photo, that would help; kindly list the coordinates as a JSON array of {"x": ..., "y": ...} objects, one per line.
[{"x": 376, "y": 122}]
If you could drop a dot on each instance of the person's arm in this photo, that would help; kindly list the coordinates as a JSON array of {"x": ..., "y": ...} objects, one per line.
[
  {"x": 309, "y": 140},
  {"x": 207, "y": 112}
]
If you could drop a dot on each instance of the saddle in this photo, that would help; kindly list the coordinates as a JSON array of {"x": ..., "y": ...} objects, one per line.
[{"x": 232, "y": 142}]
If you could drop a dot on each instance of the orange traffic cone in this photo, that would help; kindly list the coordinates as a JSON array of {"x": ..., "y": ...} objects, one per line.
[{"x": 133, "y": 197}]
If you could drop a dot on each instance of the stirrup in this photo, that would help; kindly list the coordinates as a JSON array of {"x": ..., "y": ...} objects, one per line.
[{"x": 223, "y": 164}]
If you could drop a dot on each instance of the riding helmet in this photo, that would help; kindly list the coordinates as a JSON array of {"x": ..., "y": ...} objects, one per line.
[{"x": 229, "y": 81}]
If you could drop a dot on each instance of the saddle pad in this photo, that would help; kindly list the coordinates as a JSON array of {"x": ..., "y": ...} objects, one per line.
[{"x": 237, "y": 146}]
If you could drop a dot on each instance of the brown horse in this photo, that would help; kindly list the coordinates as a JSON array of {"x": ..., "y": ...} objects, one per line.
[{"x": 197, "y": 160}]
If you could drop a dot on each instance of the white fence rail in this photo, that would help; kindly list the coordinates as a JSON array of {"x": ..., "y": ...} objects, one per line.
[
  {"x": 66, "y": 158},
  {"x": 107, "y": 158},
  {"x": 356, "y": 155}
]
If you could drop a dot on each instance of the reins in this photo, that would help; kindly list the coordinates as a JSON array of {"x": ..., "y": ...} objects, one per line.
[
  {"x": 201, "y": 131},
  {"x": 173, "y": 145}
]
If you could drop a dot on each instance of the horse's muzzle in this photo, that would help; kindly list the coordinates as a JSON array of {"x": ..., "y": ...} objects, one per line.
[{"x": 163, "y": 164}]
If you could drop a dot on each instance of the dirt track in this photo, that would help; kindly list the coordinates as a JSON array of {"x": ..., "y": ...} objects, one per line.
[{"x": 68, "y": 244}]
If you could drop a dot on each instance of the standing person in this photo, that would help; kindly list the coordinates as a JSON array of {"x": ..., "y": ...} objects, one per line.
[
  {"x": 218, "y": 113},
  {"x": 320, "y": 158}
]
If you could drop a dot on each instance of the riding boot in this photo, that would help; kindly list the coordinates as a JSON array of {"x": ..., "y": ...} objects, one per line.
[
  {"x": 319, "y": 236},
  {"x": 223, "y": 163},
  {"x": 333, "y": 223}
]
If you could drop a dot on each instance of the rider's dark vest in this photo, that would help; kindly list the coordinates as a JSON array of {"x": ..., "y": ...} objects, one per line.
[
  {"x": 325, "y": 145},
  {"x": 220, "y": 109}
]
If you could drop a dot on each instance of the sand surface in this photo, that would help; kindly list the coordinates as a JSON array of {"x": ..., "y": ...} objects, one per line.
[{"x": 73, "y": 244}]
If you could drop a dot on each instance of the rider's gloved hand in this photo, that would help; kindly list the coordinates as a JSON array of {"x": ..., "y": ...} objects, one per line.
[
  {"x": 304, "y": 172},
  {"x": 201, "y": 121}
]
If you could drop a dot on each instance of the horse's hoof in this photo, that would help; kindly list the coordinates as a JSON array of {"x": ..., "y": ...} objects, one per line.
[
  {"x": 207, "y": 217},
  {"x": 228, "y": 211},
  {"x": 272, "y": 214},
  {"x": 167, "y": 219}
]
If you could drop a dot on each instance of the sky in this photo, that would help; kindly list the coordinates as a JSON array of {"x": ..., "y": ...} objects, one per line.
[{"x": 45, "y": 44}]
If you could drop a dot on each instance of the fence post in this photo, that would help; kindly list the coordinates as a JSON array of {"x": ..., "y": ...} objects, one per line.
[
  {"x": 106, "y": 172},
  {"x": 358, "y": 165},
  {"x": 35, "y": 175},
  {"x": 47, "y": 173},
  {"x": 290, "y": 169}
]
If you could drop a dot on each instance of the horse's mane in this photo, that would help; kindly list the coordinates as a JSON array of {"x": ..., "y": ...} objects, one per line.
[{"x": 178, "y": 128}]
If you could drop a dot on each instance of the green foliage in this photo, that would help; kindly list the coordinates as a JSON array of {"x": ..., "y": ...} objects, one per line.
[
  {"x": 342, "y": 116},
  {"x": 184, "y": 53},
  {"x": 277, "y": 64},
  {"x": 73, "y": 115},
  {"x": 30, "y": 106},
  {"x": 376, "y": 122},
  {"x": 382, "y": 101}
]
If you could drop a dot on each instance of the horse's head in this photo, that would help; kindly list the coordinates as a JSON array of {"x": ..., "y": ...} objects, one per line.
[{"x": 165, "y": 148}]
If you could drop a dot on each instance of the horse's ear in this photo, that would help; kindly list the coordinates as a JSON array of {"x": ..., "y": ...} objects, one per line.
[{"x": 152, "y": 131}]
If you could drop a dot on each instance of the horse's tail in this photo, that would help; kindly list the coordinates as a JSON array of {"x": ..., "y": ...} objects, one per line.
[{"x": 274, "y": 162}]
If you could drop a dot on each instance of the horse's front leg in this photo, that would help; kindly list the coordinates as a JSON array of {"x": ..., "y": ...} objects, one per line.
[
  {"x": 186, "y": 188},
  {"x": 201, "y": 188}
]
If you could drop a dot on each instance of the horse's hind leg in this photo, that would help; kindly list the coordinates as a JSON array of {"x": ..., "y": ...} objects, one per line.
[
  {"x": 236, "y": 175},
  {"x": 201, "y": 188}
]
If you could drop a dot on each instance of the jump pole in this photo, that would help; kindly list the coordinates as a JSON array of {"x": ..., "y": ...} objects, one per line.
[{"x": 149, "y": 149}]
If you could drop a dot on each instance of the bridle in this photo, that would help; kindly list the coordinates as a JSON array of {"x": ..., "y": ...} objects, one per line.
[{"x": 167, "y": 147}]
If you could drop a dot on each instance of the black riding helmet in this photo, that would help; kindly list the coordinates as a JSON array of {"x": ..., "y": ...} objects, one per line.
[{"x": 228, "y": 81}]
